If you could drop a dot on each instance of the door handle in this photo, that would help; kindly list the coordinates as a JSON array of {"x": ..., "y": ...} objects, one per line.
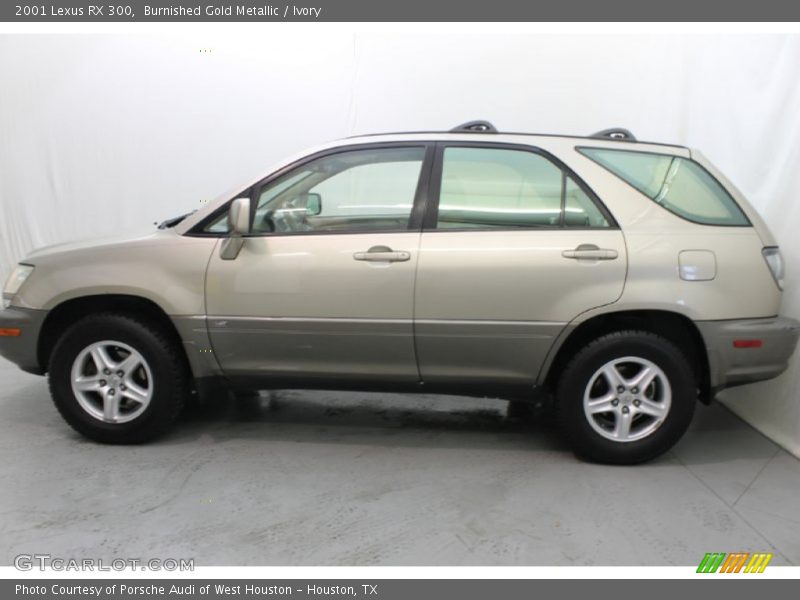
[
  {"x": 382, "y": 254},
  {"x": 590, "y": 252}
]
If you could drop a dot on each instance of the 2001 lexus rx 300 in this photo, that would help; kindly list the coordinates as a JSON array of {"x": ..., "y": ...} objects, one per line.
[{"x": 625, "y": 280}]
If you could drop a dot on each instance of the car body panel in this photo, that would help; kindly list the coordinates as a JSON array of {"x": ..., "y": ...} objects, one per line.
[
  {"x": 161, "y": 266},
  {"x": 489, "y": 304},
  {"x": 303, "y": 304},
  {"x": 730, "y": 365},
  {"x": 767, "y": 238},
  {"x": 22, "y": 349}
]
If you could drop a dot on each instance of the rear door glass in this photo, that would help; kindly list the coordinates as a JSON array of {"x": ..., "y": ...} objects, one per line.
[{"x": 490, "y": 188}]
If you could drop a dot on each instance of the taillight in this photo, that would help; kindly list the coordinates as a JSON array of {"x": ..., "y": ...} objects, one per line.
[{"x": 774, "y": 260}]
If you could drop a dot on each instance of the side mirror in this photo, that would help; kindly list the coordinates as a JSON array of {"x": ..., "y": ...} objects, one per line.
[
  {"x": 239, "y": 216},
  {"x": 312, "y": 202},
  {"x": 239, "y": 221}
]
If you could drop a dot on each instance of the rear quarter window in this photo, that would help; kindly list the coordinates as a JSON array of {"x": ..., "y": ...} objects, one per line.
[{"x": 680, "y": 185}]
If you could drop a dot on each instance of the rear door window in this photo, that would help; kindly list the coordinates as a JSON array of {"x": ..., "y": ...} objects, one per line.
[{"x": 489, "y": 188}]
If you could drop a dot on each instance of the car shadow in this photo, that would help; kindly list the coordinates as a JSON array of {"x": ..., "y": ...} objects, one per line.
[{"x": 307, "y": 416}]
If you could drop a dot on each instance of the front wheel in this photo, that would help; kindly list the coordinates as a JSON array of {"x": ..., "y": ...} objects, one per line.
[
  {"x": 117, "y": 379},
  {"x": 625, "y": 398}
]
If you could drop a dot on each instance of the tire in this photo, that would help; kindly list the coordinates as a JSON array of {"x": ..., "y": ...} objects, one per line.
[
  {"x": 623, "y": 424},
  {"x": 148, "y": 395}
]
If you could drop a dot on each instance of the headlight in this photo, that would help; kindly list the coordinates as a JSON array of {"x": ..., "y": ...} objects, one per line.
[
  {"x": 14, "y": 282},
  {"x": 775, "y": 263}
]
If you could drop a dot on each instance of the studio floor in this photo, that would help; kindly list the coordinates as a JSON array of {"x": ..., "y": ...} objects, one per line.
[{"x": 322, "y": 478}]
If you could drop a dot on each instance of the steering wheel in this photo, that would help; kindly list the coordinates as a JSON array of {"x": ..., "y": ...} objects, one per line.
[{"x": 285, "y": 221}]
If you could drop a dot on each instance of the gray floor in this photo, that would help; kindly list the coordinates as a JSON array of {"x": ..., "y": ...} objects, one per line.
[{"x": 331, "y": 478}]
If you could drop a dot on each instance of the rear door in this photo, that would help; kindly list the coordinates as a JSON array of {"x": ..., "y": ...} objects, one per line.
[{"x": 514, "y": 246}]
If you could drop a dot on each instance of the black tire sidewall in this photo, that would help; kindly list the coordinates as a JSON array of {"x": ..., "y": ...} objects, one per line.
[
  {"x": 589, "y": 444},
  {"x": 160, "y": 359}
]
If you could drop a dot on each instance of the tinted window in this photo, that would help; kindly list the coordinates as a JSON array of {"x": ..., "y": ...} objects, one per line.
[
  {"x": 680, "y": 185},
  {"x": 502, "y": 188},
  {"x": 360, "y": 190}
]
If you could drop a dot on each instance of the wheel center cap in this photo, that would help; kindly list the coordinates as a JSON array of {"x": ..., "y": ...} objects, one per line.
[{"x": 115, "y": 380}]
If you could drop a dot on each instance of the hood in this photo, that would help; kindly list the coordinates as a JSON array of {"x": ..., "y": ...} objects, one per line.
[{"x": 130, "y": 238}]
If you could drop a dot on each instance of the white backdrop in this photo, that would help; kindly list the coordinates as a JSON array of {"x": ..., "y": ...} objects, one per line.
[{"x": 103, "y": 133}]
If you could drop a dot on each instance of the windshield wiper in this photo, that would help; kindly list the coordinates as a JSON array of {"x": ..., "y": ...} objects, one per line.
[{"x": 173, "y": 221}]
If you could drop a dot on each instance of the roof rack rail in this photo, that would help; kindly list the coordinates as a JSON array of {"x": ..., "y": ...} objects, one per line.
[
  {"x": 475, "y": 127},
  {"x": 615, "y": 133}
]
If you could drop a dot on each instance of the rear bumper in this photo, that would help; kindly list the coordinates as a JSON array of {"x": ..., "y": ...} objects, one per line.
[
  {"x": 22, "y": 349},
  {"x": 730, "y": 366}
]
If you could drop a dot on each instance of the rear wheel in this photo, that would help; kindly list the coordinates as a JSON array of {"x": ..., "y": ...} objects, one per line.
[
  {"x": 626, "y": 398},
  {"x": 116, "y": 379}
]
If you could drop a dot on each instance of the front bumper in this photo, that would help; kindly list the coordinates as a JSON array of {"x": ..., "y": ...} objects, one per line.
[
  {"x": 730, "y": 366},
  {"x": 22, "y": 349}
]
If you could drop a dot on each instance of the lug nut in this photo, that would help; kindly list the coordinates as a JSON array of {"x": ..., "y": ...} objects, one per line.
[
  {"x": 112, "y": 391},
  {"x": 614, "y": 402},
  {"x": 637, "y": 402},
  {"x": 106, "y": 371},
  {"x": 635, "y": 390},
  {"x": 122, "y": 387},
  {"x": 103, "y": 383},
  {"x": 121, "y": 373},
  {"x": 625, "y": 409},
  {"x": 620, "y": 389}
]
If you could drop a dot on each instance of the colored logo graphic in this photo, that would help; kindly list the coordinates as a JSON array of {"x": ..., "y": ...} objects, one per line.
[{"x": 736, "y": 562}]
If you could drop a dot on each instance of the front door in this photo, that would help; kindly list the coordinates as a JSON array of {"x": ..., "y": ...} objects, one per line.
[
  {"x": 323, "y": 287},
  {"x": 515, "y": 248}
]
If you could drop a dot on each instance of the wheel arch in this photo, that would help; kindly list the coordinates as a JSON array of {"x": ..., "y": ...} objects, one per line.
[
  {"x": 675, "y": 327},
  {"x": 60, "y": 317}
]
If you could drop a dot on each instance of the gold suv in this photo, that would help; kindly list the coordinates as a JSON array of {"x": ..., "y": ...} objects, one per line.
[{"x": 625, "y": 280}]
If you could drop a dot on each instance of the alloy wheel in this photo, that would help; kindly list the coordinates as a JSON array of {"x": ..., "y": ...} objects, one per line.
[
  {"x": 627, "y": 399},
  {"x": 112, "y": 381}
]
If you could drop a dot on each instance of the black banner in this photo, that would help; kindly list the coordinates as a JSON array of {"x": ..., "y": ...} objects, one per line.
[
  {"x": 733, "y": 588},
  {"x": 397, "y": 11}
]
